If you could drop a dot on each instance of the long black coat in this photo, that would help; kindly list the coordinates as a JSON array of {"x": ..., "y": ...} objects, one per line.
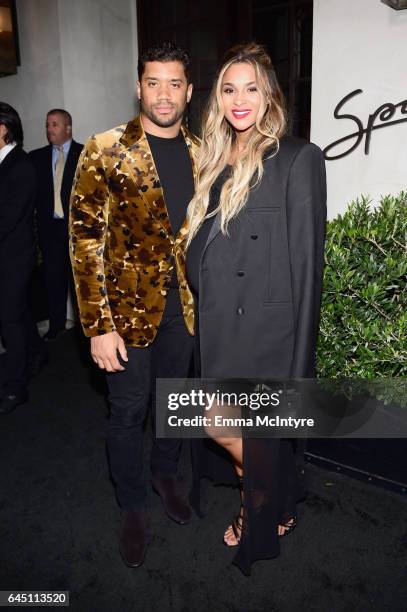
[
  {"x": 42, "y": 160},
  {"x": 260, "y": 287}
]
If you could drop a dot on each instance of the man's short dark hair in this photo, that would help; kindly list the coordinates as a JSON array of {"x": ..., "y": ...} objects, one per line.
[
  {"x": 163, "y": 52},
  {"x": 11, "y": 119},
  {"x": 60, "y": 111}
]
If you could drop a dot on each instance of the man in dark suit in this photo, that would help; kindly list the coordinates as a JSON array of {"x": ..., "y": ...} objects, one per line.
[
  {"x": 17, "y": 197},
  {"x": 55, "y": 165}
]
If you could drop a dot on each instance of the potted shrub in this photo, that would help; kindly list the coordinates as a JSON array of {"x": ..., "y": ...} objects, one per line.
[{"x": 363, "y": 328}]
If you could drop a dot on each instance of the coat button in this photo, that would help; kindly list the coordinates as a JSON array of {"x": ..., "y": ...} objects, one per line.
[
  {"x": 240, "y": 273},
  {"x": 254, "y": 236},
  {"x": 240, "y": 310}
]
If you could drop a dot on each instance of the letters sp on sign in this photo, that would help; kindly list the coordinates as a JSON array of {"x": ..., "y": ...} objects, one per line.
[{"x": 383, "y": 113}]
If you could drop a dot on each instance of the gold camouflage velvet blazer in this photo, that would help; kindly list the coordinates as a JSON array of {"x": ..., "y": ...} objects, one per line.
[{"x": 121, "y": 245}]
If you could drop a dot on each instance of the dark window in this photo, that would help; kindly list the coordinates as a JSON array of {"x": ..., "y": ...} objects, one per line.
[{"x": 206, "y": 28}]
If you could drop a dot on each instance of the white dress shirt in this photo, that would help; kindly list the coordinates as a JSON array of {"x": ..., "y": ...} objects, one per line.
[{"x": 6, "y": 150}]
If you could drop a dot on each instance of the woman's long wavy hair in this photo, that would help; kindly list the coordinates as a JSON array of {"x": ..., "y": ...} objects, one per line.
[{"x": 218, "y": 138}]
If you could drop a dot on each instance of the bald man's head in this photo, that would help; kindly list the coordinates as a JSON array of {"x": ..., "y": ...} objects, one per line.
[{"x": 58, "y": 126}]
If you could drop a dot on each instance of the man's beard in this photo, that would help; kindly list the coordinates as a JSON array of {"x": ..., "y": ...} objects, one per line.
[{"x": 162, "y": 121}]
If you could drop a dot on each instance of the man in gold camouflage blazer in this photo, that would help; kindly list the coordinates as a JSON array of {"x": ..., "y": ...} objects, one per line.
[{"x": 127, "y": 228}]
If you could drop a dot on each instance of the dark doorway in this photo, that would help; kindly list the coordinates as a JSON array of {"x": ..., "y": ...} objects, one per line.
[{"x": 206, "y": 28}]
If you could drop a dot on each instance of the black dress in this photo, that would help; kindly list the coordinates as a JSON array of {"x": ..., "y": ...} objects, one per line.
[{"x": 271, "y": 487}]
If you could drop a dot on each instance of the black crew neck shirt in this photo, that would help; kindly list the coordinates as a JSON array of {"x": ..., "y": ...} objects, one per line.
[{"x": 174, "y": 168}]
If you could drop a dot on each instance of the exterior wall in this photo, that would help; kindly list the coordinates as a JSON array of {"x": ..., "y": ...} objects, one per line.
[
  {"x": 80, "y": 55},
  {"x": 360, "y": 44}
]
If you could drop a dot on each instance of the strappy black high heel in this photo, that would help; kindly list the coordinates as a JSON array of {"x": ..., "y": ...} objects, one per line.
[
  {"x": 289, "y": 526},
  {"x": 237, "y": 523}
]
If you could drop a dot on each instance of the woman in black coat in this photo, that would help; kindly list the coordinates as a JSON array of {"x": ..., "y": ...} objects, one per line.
[{"x": 255, "y": 262}]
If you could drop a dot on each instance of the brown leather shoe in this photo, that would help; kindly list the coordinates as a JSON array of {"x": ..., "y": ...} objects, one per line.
[
  {"x": 175, "y": 506},
  {"x": 133, "y": 538}
]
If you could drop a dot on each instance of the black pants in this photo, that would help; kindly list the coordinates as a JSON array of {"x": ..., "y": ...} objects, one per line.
[
  {"x": 129, "y": 395},
  {"x": 16, "y": 325},
  {"x": 55, "y": 251}
]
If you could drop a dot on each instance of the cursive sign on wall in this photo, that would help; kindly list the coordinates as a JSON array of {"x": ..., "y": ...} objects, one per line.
[{"x": 383, "y": 113}]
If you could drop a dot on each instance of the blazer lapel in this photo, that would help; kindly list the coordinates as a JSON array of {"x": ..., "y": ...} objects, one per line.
[
  {"x": 50, "y": 170},
  {"x": 192, "y": 144},
  {"x": 47, "y": 180},
  {"x": 8, "y": 162},
  {"x": 69, "y": 172},
  {"x": 70, "y": 164},
  {"x": 138, "y": 159}
]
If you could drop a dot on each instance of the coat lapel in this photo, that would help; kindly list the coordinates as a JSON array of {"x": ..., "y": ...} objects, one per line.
[
  {"x": 215, "y": 229},
  {"x": 140, "y": 162},
  {"x": 141, "y": 166},
  {"x": 8, "y": 162},
  {"x": 70, "y": 166},
  {"x": 192, "y": 144},
  {"x": 69, "y": 173},
  {"x": 49, "y": 170}
]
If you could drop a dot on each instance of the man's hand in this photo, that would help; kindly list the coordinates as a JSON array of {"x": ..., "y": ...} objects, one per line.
[{"x": 104, "y": 351}]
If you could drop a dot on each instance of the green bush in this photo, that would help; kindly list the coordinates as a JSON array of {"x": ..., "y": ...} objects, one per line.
[{"x": 363, "y": 329}]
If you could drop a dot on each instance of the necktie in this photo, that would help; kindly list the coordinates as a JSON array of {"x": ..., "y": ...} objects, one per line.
[{"x": 59, "y": 172}]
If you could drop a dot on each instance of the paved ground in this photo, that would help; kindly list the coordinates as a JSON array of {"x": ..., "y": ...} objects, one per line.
[{"x": 59, "y": 523}]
